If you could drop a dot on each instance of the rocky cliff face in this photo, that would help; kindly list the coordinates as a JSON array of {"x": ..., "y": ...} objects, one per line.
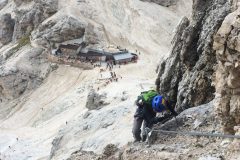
[
  {"x": 186, "y": 76},
  {"x": 28, "y": 20},
  {"x": 24, "y": 73},
  {"x": 23, "y": 68},
  {"x": 226, "y": 44},
  {"x": 204, "y": 64},
  {"x": 58, "y": 30}
]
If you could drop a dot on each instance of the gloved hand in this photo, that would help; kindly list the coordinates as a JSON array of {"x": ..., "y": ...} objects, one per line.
[{"x": 139, "y": 102}]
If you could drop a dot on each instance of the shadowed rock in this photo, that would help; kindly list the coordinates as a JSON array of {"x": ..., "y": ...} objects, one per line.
[{"x": 6, "y": 28}]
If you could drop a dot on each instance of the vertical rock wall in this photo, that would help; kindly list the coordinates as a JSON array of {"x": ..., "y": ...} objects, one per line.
[
  {"x": 186, "y": 76},
  {"x": 227, "y": 46}
]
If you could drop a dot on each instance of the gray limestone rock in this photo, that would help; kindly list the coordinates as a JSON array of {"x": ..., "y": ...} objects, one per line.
[
  {"x": 226, "y": 44},
  {"x": 3, "y": 3},
  {"x": 28, "y": 20},
  {"x": 203, "y": 113},
  {"x": 58, "y": 30},
  {"x": 6, "y": 28},
  {"x": 55, "y": 145},
  {"x": 165, "y": 3},
  {"x": 25, "y": 74},
  {"x": 186, "y": 76},
  {"x": 19, "y": 2},
  {"x": 95, "y": 100}
]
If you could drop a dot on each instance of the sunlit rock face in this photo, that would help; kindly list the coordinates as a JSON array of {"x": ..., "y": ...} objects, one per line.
[{"x": 226, "y": 44}]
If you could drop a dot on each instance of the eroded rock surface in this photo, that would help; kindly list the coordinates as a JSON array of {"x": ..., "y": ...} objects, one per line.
[
  {"x": 59, "y": 30},
  {"x": 3, "y": 3},
  {"x": 165, "y": 3},
  {"x": 227, "y": 49},
  {"x": 226, "y": 44},
  {"x": 6, "y": 28},
  {"x": 23, "y": 74},
  {"x": 19, "y": 2},
  {"x": 95, "y": 100},
  {"x": 28, "y": 20},
  {"x": 186, "y": 76}
]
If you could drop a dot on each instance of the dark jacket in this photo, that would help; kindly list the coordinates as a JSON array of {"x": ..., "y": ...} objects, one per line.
[{"x": 146, "y": 112}]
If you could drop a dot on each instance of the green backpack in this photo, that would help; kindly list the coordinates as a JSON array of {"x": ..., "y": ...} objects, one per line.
[{"x": 147, "y": 96}]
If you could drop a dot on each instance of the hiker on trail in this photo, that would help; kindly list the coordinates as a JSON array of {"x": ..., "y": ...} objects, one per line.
[{"x": 148, "y": 104}]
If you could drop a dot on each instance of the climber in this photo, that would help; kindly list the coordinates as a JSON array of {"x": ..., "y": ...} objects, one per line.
[{"x": 148, "y": 104}]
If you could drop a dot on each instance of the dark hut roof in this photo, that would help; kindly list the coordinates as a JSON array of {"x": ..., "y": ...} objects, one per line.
[
  {"x": 122, "y": 56},
  {"x": 93, "y": 52}
]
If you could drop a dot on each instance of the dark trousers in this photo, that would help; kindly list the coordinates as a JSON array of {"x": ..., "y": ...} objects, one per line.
[
  {"x": 143, "y": 117},
  {"x": 137, "y": 125}
]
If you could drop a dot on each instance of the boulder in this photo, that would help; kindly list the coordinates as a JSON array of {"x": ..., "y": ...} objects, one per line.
[
  {"x": 56, "y": 143},
  {"x": 95, "y": 100},
  {"x": 6, "y": 28},
  {"x": 203, "y": 113}
]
